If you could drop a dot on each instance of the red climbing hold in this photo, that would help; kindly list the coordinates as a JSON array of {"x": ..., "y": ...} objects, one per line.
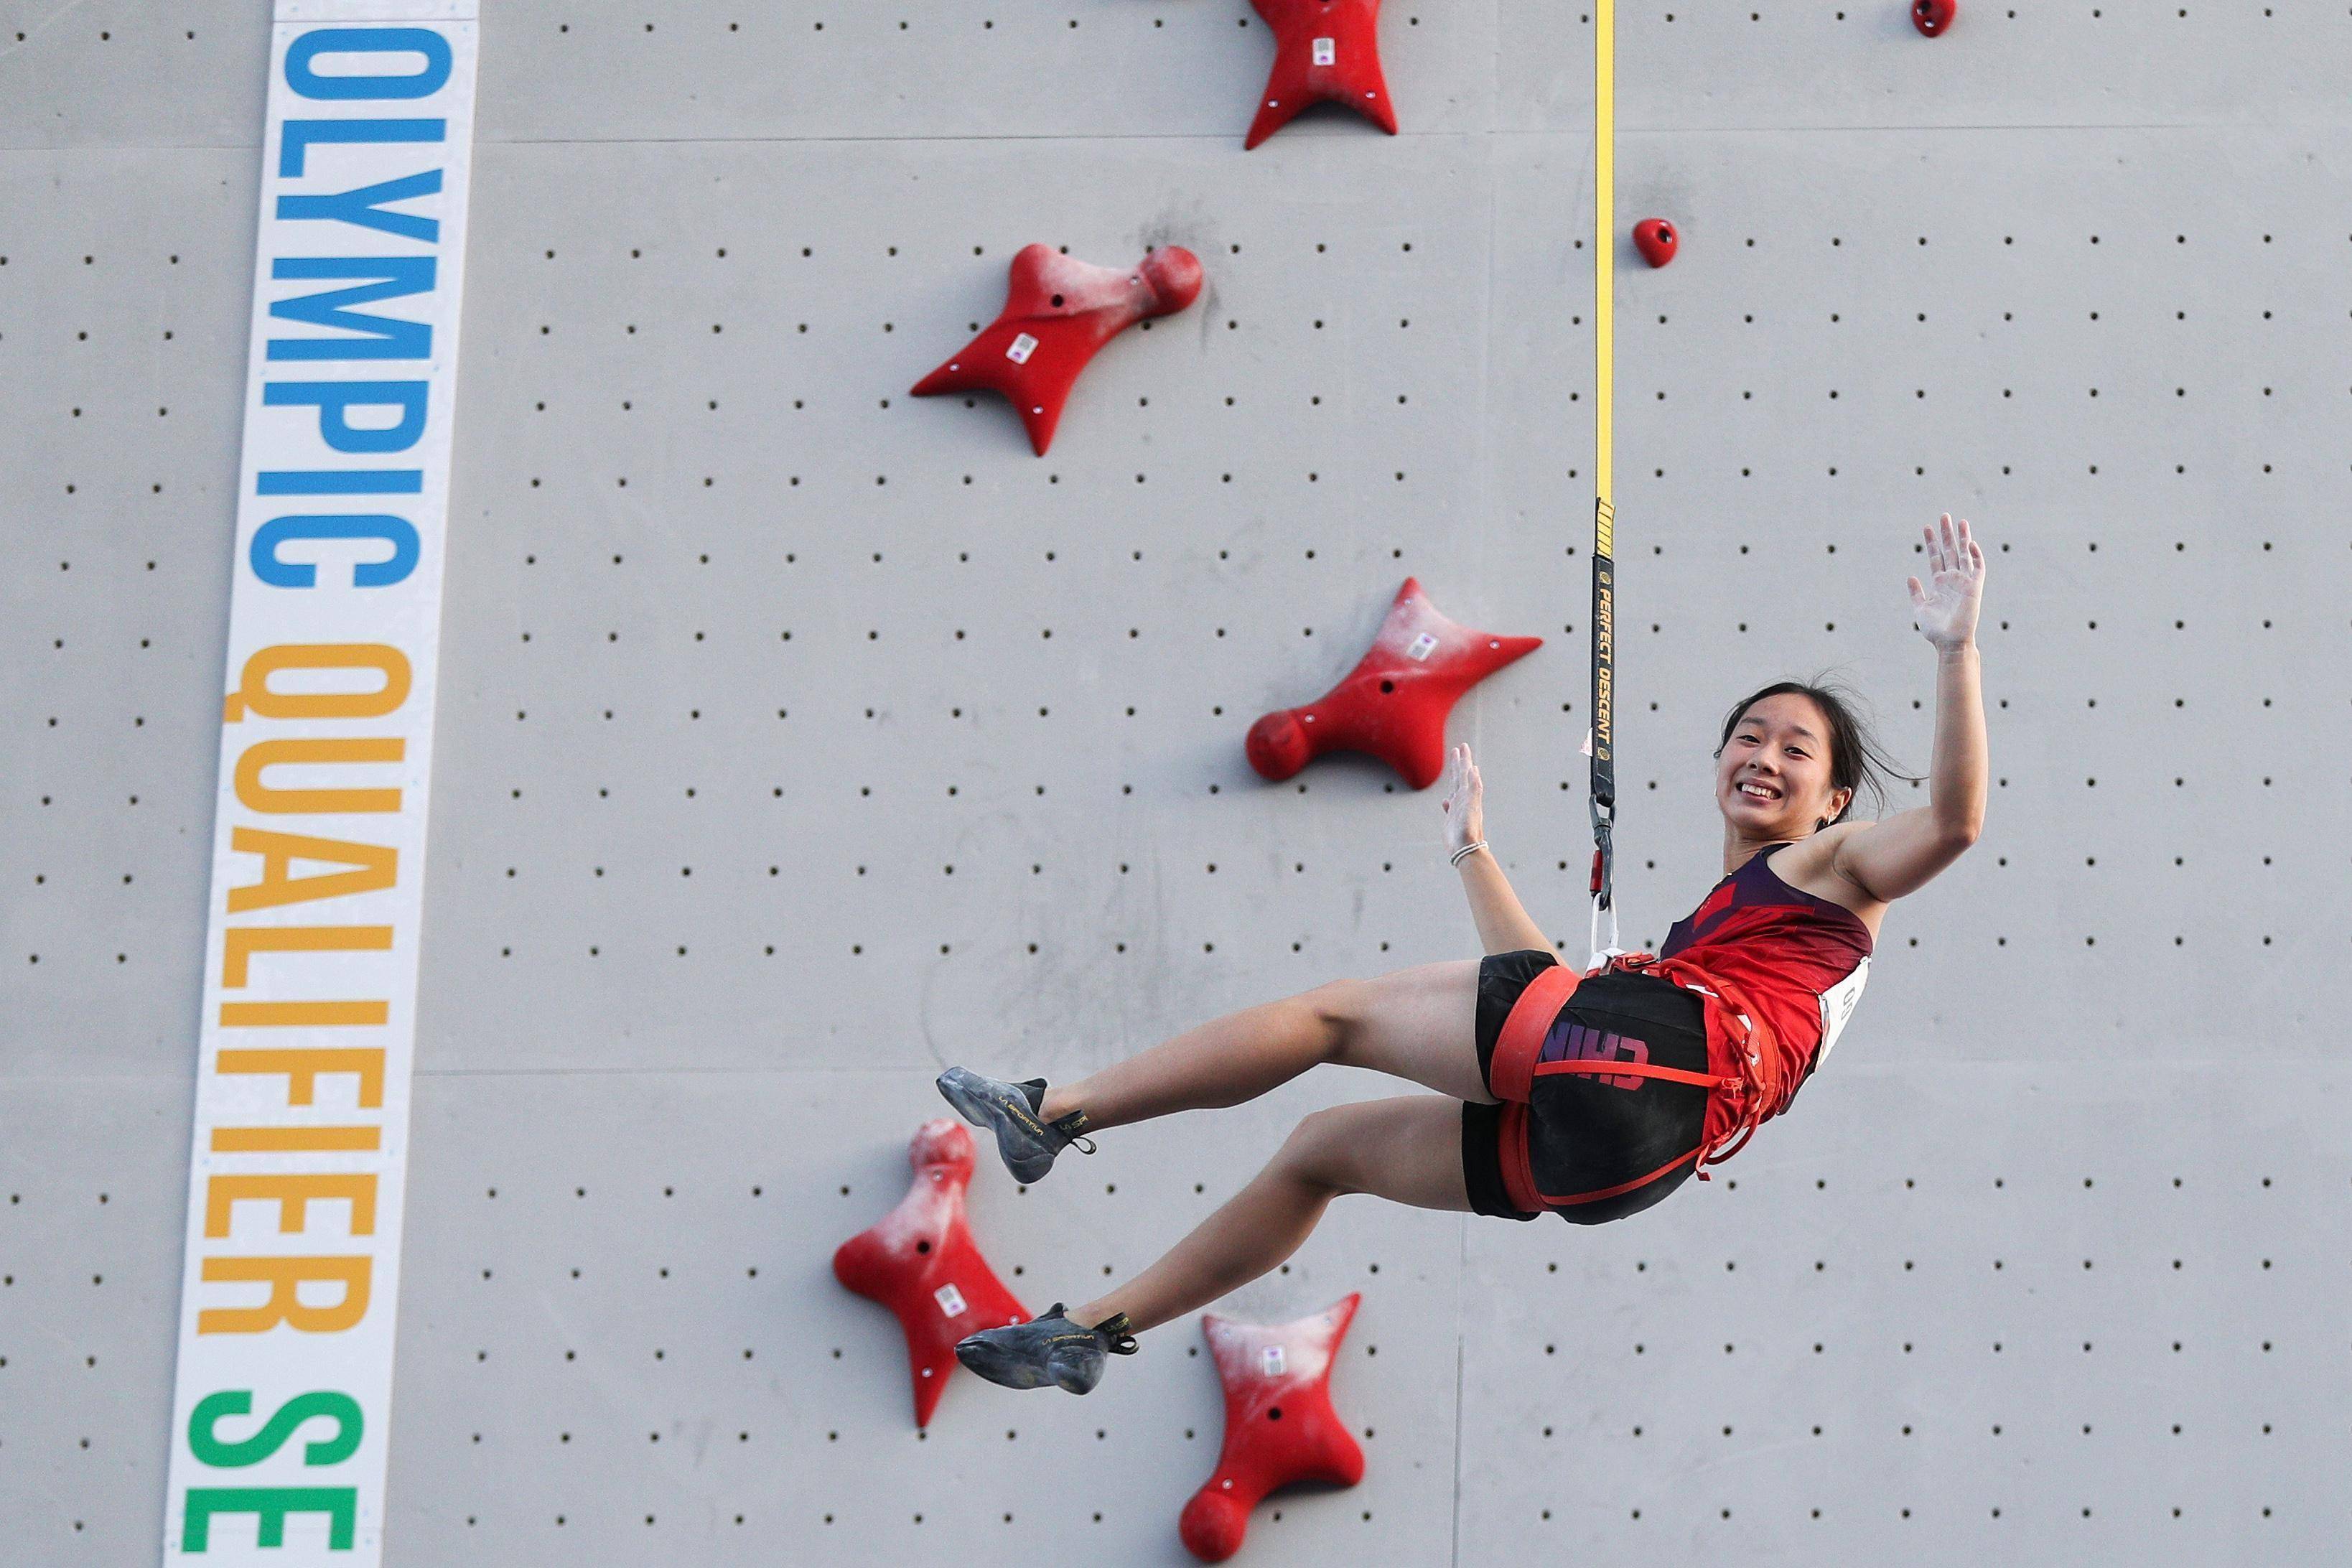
[
  {"x": 1279, "y": 1424},
  {"x": 1933, "y": 16},
  {"x": 1654, "y": 238},
  {"x": 1394, "y": 703},
  {"x": 1056, "y": 313},
  {"x": 1322, "y": 49},
  {"x": 920, "y": 1261}
]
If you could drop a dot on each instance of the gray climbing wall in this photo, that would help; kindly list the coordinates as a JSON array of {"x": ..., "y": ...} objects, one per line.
[{"x": 799, "y": 738}]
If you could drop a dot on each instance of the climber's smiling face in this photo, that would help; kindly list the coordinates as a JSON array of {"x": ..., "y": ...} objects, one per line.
[{"x": 1772, "y": 777}]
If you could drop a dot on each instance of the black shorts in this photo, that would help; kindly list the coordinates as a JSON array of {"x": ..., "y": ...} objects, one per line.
[{"x": 1590, "y": 1147}]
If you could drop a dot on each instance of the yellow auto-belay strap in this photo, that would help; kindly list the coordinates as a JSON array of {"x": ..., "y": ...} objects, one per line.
[{"x": 1600, "y": 744}]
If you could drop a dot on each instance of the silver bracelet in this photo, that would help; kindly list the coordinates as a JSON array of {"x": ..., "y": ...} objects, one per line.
[{"x": 1466, "y": 850}]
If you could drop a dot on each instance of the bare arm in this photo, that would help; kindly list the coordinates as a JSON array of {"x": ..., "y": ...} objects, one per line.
[
  {"x": 1502, "y": 925},
  {"x": 1890, "y": 858}
]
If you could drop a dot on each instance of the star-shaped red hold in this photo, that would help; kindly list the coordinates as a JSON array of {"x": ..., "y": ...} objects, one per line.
[
  {"x": 1394, "y": 703},
  {"x": 1279, "y": 1424},
  {"x": 1322, "y": 49},
  {"x": 1056, "y": 313},
  {"x": 920, "y": 1260}
]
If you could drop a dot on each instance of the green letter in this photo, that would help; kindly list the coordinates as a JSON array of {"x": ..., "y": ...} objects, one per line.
[
  {"x": 273, "y": 1504},
  {"x": 210, "y": 1449}
]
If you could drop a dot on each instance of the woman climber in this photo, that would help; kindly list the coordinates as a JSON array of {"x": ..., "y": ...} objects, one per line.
[{"x": 1589, "y": 1096}]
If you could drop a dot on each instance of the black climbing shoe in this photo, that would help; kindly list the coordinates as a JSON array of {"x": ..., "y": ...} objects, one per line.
[
  {"x": 1047, "y": 1349},
  {"x": 1027, "y": 1143}
]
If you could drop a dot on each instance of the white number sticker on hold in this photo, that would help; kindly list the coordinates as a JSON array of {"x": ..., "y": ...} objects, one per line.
[
  {"x": 1327, "y": 51},
  {"x": 1274, "y": 1361},
  {"x": 1023, "y": 347},
  {"x": 950, "y": 1301},
  {"x": 1422, "y": 647}
]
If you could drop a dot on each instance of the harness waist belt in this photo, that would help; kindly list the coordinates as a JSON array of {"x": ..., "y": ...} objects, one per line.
[{"x": 1512, "y": 1070}]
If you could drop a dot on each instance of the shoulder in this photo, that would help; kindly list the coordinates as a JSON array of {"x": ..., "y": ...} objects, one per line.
[{"x": 1809, "y": 865}]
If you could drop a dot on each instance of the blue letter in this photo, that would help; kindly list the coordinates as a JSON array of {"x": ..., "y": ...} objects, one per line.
[
  {"x": 368, "y": 40},
  {"x": 359, "y": 207},
  {"x": 339, "y": 482},
  {"x": 394, "y": 339},
  {"x": 297, "y": 135},
  {"x": 281, "y": 531},
  {"x": 336, "y": 399}
]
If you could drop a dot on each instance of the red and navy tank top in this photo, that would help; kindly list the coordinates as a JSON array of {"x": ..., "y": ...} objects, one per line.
[{"x": 1801, "y": 959}]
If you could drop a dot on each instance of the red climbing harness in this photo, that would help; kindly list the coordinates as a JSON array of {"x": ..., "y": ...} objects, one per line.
[{"x": 1737, "y": 1034}]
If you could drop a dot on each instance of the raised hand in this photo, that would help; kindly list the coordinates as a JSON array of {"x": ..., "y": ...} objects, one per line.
[
  {"x": 1945, "y": 611},
  {"x": 1465, "y": 803}
]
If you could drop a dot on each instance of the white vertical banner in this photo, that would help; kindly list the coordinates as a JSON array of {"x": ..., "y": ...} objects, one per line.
[{"x": 282, "y": 1403}]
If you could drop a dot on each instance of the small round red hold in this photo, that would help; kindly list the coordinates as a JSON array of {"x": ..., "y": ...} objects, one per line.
[
  {"x": 1654, "y": 238},
  {"x": 1933, "y": 18}
]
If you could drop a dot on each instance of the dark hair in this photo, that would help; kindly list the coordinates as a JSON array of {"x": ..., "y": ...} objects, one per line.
[{"x": 1855, "y": 760}]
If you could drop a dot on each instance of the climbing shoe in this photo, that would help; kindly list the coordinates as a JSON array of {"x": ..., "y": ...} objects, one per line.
[
  {"x": 1047, "y": 1349},
  {"x": 1027, "y": 1143}
]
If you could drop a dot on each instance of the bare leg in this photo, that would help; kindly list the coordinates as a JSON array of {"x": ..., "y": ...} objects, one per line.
[
  {"x": 1407, "y": 1149},
  {"x": 1418, "y": 1023},
  {"x": 1223, "y": 1062}
]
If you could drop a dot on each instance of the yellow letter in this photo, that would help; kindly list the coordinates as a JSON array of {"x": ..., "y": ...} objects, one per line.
[
  {"x": 292, "y": 1195},
  {"x": 303, "y": 1015},
  {"x": 258, "y": 796},
  {"x": 303, "y": 1068},
  {"x": 278, "y": 851},
  {"x": 282, "y": 1275},
  {"x": 239, "y": 943},
  {"x": 294, "y": 1140},
  {"x": 253, "y": 689}
]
